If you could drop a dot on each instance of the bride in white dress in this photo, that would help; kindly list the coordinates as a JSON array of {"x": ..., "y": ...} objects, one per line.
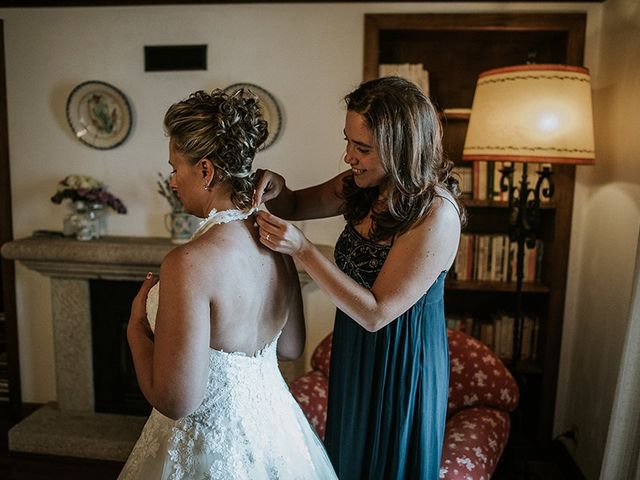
[{"x": 205, "y": 339}]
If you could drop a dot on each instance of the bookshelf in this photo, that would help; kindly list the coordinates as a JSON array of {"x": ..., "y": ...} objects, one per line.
[{"x": 454, "y": 49}]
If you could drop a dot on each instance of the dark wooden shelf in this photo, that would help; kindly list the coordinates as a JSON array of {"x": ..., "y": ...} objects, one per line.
[
  {"x": 489, "y": 286},
  {"x": 528, "y": 367},
  {"x": 475, "y": 203},
  {"x": 452, "y": 114}
]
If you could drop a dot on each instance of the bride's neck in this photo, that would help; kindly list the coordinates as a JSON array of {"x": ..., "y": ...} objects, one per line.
[{"x": 219, "y": 199}]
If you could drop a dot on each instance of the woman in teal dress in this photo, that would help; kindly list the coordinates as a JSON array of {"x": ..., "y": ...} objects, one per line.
[{"x": 389, "y": 373}]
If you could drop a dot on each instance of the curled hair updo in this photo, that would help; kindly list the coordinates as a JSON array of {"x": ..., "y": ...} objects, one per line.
[
  {"x": 408, "y": 137},
  {"x": 227, "y": 130}
]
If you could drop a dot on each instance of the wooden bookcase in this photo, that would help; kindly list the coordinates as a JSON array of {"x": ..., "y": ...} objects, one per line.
[{"x": 455, "y": 48}]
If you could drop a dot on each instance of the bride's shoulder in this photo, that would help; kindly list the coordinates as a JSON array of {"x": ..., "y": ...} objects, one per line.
[{"x": 192, "y": 257}]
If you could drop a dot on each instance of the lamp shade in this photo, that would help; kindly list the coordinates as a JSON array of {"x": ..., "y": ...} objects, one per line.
[{"x": 532, "y": 113}]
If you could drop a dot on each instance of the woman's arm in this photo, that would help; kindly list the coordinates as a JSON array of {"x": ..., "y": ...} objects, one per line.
[
  {"x": 320, "y": 201},
  {"x": 172, "y": 368},
  {"x": 292, "y": 340},
  {"x": 413, "y": 264}
]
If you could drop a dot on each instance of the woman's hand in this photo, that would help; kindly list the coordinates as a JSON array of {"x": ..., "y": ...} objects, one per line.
[
  {"x": 268, "y": 186},
  {"x": 138, "y": 318},
  {"x": 280, "y": 235}
]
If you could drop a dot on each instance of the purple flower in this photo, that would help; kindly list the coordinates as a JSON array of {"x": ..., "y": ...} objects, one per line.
[{"x": 70, "y": 188}]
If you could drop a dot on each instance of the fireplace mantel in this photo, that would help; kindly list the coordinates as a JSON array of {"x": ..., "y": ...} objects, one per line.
[
  {"x": 71, "y": 426},
  {"x": 108, "y": 258}
]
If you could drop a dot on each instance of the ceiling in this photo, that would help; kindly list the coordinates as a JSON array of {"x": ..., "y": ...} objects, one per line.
[{"x": 103, "y": 3}]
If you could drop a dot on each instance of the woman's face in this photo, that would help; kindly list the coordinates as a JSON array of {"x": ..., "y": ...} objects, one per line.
[
  {"x": 361, "y": 153},
  {"x": 185, "y": 180}
]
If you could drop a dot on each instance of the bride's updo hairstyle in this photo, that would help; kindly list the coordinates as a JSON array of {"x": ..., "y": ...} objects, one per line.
[{"x": 226, "y": 129}]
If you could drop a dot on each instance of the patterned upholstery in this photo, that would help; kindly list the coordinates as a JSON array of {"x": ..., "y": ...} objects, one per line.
[
  {"x": 310, "y": 391},
  {"x": 482, "y": 392},
  {"x": 478, "y": 376},
  {"x": 473, "y": 442}
]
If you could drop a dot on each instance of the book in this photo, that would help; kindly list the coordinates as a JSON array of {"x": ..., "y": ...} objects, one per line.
[{"x": 413, "y": 72}]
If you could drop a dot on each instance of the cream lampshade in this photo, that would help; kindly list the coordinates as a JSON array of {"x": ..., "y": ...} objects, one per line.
[{"x": 532, "y": 113}]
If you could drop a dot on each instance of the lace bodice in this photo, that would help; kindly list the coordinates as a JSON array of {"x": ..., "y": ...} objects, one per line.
[{"x": 247, "y": 427}]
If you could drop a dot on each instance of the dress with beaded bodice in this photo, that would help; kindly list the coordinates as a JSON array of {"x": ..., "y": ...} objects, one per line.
[
  {"x": 387, "y": 389},
  {"x": 248, "y": 427}
]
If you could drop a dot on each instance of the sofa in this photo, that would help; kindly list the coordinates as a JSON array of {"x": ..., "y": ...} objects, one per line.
[{"x": 482, "y": 393}]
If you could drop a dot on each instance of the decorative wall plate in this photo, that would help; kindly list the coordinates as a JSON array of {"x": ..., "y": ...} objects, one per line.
[
  {"x": 268, "y": 106},
  {"x": 99, "y": 114}
]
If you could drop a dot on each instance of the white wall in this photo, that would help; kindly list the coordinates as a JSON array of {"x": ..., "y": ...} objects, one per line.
[
  {"x": 604, "y": 239},
  {"x": 308, "y": 56}
]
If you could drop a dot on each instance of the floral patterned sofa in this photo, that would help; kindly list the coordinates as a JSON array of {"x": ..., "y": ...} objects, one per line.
[{"x": 482, "y": 392}]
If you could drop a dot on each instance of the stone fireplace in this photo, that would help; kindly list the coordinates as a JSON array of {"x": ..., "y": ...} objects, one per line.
[{"x": 72, "y": 426}]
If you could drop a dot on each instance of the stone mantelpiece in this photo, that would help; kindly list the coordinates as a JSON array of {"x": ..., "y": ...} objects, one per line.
[
  {"x": 108, "y": 258},
  {"x": 71, "y": 426}
]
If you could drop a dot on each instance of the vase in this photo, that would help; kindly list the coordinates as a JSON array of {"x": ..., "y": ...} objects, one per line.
[
  {"x": 181, "y": 225},
  {"x": 100, "y": 219},
  {"x": 84, "y": 220}
]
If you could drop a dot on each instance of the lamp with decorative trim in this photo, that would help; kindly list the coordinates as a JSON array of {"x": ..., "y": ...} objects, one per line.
[{"x": 530, "y": 113}]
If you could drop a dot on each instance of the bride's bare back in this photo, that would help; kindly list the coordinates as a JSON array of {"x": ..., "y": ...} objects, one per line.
[{"x": 253, "y": 292}]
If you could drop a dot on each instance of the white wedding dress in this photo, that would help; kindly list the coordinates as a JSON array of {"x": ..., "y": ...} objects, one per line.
[{"x": 248, "y": 427}]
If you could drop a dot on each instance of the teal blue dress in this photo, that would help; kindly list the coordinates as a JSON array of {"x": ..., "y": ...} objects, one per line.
[{"x": 388, "y": 389}]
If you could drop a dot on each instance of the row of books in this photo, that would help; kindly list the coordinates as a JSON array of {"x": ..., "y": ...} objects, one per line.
[
  {"x": 481, "y": 180},
  {"x": 497, "y": 333},
  {"x": 464, "y": 175},
  {"x": 492, "y": 257},
  {"x": 413, "y": 72}
]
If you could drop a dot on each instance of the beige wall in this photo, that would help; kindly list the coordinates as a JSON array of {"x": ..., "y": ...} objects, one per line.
[
  {"x": 308, "y": 56},
  {"x": 604, "y": 239}
]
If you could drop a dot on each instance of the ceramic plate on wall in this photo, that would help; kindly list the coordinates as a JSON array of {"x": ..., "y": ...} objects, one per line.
[
  {"x": 99, "y": 114},
  {"x": 268, "y": 106}
]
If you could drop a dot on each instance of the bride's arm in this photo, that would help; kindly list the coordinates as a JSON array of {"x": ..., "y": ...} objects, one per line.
[
  {"x": 292, "y": 340},
  {"x": 172, "y": 368}
]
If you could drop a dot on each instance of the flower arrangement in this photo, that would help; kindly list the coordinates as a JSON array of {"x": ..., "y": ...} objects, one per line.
[
  {"x": 87, "y": 189},
  {"x": 164, "y": 189}
]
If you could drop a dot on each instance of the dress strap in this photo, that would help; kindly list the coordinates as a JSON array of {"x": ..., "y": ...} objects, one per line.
[{"x": 451, "y": 202}]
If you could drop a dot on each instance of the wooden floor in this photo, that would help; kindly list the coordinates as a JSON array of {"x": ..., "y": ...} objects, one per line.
[{"x": 516, "y": 464}]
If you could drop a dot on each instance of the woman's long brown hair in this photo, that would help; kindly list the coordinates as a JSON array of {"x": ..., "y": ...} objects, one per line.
[{"x": 408, "y": 137}]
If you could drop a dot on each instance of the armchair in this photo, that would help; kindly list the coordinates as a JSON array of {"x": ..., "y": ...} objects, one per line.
[{"x": 482, "y": 393}]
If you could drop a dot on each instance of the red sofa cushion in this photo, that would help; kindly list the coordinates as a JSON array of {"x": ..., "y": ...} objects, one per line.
[
  {"x": 477, "y": 376},
  {"x": 310, "y": 391},
  {"x": 473, "y": 442}
]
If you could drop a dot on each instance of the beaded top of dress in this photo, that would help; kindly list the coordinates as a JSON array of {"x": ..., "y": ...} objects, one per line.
[{"x": 360, "y": 257}]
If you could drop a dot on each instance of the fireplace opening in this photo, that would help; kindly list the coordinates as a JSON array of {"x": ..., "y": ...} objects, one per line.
[{"x": 115, "y": 384}]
